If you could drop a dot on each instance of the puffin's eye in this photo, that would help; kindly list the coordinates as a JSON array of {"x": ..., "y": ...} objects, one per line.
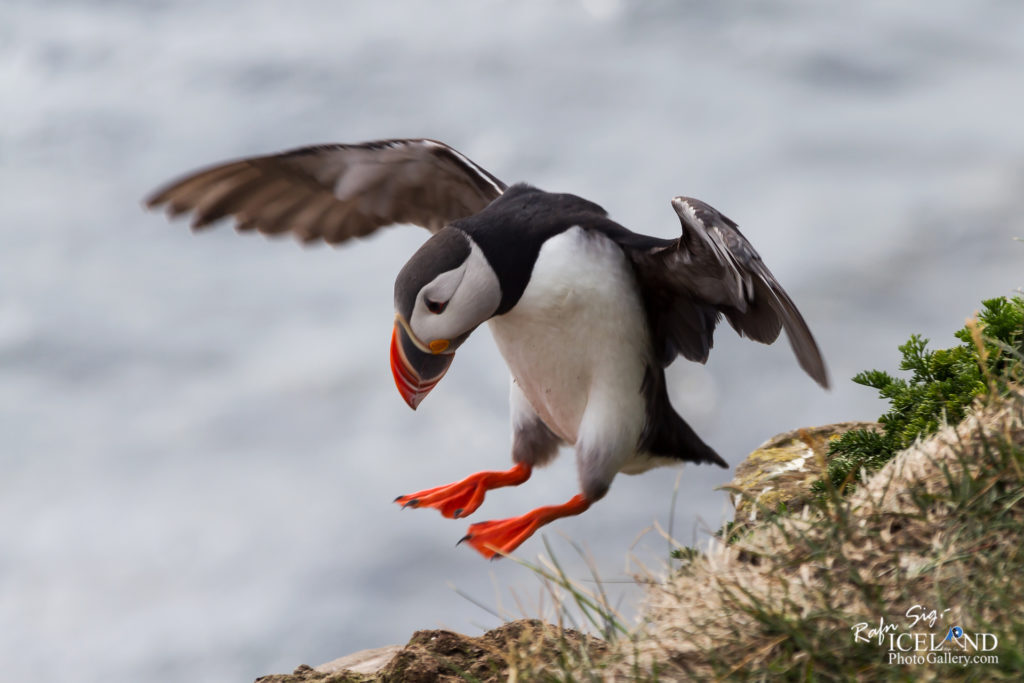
[{"x": 436, "y": 307}]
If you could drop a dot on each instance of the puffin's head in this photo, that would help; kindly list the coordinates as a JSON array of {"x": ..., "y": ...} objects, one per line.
[{"x": 441, "y": 295}]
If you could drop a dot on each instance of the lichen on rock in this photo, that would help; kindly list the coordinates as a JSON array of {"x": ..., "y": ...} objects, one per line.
[{"x": 778, "y": 474}]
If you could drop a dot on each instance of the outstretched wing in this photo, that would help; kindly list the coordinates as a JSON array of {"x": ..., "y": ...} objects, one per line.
[
  {"x": 710, "y": 271},
  {"x": 335, "y": 192}
]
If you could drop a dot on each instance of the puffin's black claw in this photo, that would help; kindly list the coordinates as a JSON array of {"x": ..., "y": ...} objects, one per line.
[
  {"x": 411, "y": 503},
  {"x": 464, "y": 538},
  {"x": 398, "y": 498},
  {"x": 457, "y": 514}
]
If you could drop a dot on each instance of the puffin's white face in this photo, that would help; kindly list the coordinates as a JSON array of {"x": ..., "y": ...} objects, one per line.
[
  {"x": 455, "y": 302},
  {"x": 442, "y": 294}
]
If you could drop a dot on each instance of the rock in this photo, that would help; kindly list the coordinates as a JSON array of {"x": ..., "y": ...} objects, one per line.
[
  {"x": 448, "y": 657},
  {"x": 781, "y": 470},
  {"x": 362, "y": 662}
]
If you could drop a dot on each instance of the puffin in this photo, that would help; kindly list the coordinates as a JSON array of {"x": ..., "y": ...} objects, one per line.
[{"x": 586, "y": 313}]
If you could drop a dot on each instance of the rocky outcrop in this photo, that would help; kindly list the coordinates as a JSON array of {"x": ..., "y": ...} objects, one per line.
[
  {"x": 527, "y": 645},
  {"x": 941, "y": 523}
]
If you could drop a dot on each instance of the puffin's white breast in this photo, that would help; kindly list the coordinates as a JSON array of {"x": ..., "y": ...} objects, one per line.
[{"x": 578, "y": 334}]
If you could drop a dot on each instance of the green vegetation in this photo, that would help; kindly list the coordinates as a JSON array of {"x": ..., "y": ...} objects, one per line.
[{"x": 942, "y": 386}]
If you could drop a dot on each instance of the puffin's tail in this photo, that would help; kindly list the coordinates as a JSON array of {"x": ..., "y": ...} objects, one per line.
[{"x": 666, "y": 433}]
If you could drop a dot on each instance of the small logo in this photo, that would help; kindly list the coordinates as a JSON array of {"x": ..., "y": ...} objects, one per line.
[{"x": 919, "y": 639}]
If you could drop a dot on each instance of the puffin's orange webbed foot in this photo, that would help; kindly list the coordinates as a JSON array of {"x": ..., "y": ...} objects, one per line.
[
  {"x": 462, "y": 498},
  {"x": 493, "y": 539}
]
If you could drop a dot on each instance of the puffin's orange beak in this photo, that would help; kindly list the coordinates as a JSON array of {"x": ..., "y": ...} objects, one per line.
[{"x": 416, "y": 372}]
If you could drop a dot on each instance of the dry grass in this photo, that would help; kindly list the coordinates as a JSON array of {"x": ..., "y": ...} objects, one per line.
[{"x": 941, "y": 525}]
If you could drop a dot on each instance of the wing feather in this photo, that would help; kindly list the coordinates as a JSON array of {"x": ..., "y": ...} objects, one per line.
[
  {"x": 712, "y": 270},
  {"x": 335, "y": 192}
]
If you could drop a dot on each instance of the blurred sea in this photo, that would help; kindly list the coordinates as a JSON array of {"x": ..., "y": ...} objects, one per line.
[{"x": 199, "y": 436}]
